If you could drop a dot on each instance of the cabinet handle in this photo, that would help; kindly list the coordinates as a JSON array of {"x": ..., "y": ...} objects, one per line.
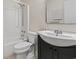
[{"x": 55, "y": 49}]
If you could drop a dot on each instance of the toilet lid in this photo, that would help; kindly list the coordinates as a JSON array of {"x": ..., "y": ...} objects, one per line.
[{"x": 22, "y": 45}]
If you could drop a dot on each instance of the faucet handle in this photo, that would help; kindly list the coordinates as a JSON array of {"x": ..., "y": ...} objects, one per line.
[
  {"x": 23, "y": 31},
  {"x": 58, "y": 32}
]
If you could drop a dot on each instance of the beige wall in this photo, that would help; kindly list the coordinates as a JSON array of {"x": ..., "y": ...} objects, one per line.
[
  {"x": 37, "y": 18},
  {"x": 37, "y": 15},
  {"x": 63, "y": 27}
]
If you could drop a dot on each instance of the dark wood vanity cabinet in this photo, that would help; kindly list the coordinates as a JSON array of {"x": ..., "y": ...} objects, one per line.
[
  {"x": 67, "y": 52},
  {"x": 44, "y": 52},
  {"x": 47, "y": 51}
]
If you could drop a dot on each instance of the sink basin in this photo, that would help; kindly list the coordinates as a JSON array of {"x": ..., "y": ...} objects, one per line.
[{"x": 64, "y": 39}]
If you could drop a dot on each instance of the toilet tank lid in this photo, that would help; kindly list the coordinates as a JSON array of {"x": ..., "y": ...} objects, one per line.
[
  {"x": 22, "y": 45},
  {"x": 32, "y": 33}
]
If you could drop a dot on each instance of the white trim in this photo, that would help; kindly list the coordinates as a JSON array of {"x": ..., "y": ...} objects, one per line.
[{"x": 28, "y": 19}]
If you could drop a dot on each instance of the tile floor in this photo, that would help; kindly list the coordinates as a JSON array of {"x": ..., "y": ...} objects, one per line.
[{"x": 14, "y": 57}]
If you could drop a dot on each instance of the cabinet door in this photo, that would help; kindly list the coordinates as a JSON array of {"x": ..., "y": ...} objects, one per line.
[
  {"x": 67, "y": 53},
  {"x": 46, "y": 51}
]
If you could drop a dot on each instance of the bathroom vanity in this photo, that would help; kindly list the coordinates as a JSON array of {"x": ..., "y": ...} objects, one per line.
[{"x": 46, "y": 50}]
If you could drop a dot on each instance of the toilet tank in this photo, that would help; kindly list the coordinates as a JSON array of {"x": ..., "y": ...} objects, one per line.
[{"x": 32, "y": 36}]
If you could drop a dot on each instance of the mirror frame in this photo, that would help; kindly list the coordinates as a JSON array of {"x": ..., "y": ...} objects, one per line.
[{"x": 54, "y": 22}]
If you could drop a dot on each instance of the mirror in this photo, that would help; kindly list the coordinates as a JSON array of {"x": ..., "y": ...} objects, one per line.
[{"x": 61, "y": 11}]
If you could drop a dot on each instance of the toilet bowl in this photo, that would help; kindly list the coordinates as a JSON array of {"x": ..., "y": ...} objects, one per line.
[{"x": 21, "y": 49}]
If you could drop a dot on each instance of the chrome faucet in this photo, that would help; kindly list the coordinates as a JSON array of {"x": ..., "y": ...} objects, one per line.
[{"x": 58, "y": 32}]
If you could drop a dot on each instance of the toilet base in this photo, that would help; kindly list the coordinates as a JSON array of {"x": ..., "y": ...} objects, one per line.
[{"x": 21, "y": 56}]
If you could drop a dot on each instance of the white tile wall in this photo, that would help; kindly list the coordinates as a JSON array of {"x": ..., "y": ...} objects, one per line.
[{"x": 11, "y": 31}]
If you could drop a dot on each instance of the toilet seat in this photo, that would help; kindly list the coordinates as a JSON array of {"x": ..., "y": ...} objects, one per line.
[{"x": 22, "y": 47}]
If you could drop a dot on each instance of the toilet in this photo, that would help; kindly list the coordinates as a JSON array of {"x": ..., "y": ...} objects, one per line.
[{"x": 21, "y": 49}]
